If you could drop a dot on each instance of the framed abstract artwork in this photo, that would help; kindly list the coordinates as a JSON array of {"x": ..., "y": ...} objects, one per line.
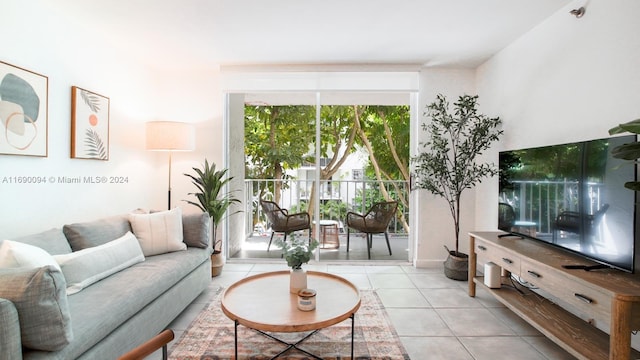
[
  {"x": 23, "y": 111},
  {"x": 89, "y": 125}
]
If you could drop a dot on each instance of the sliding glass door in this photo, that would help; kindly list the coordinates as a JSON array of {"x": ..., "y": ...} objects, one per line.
[{"x": 312, "y": 145}]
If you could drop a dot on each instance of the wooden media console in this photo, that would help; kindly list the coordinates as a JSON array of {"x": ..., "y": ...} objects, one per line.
[{"x": 569, "y": 306}]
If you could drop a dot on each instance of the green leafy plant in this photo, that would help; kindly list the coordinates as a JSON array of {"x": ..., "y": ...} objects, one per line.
[
  {"x": 297, "y": 251},
  {"x": 211, "y": 199},
  {"x": 630, "y": 151},
  {"x": 447, "y": 165}
]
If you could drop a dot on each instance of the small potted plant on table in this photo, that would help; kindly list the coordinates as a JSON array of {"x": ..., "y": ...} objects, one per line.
[{"x": 297, "y": 252}]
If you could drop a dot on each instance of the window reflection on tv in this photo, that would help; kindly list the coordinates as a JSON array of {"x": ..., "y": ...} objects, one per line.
[{"x": 572, "y": 196}]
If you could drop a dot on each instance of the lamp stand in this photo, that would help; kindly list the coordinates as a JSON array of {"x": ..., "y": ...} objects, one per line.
[
  {"x": 169, "y": 189},
  {"x": 170, "y": 136}
]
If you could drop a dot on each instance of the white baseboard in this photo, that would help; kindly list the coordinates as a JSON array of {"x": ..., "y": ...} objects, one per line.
[{"x": 429, "y": 264}]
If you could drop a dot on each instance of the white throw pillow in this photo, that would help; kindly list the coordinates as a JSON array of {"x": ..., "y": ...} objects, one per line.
[
  {"x": 84, "y": 267},
  {"x": 15, "y": 254},
  {"x": 160, "y": 232}
]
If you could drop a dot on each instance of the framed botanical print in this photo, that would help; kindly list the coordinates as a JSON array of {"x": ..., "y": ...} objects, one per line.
[
  {"x": 23, "y": 111},
  {"x": 89, "y": 125}
]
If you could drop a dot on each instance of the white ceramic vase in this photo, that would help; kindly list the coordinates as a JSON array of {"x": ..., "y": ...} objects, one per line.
[{"x": 298, "y": 280}]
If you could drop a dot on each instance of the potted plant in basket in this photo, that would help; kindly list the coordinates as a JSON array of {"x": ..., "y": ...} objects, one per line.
[
  {"x": 213, "y": 201},
  {"x": 447, "y": 165},
  {"x": 297, "y": 252}
]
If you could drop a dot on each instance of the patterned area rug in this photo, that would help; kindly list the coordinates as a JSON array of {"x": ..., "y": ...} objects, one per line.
[{"x": 211, "y": 336}]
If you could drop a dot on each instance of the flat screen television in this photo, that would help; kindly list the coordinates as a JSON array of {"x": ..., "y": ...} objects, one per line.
[{"x": 572, "y": 196}]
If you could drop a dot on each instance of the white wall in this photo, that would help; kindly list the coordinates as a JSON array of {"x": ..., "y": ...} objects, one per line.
[
  {"x": 40, "y": 37},
  {"x": 190, "y": 96},
  {"x": 432, "y": 223},
  {"x": 566, "y": 80}
]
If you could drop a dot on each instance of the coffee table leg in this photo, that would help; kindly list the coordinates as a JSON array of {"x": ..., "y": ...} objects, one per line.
[
  {"x": 290, "y": 345},
  {"x": 294, "y": 345},
  {"x": 236, "y": 339},
  {"x": 353, "y": 325}
]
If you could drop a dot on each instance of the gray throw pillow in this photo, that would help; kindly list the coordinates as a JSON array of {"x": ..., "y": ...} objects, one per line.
[
  {"x": 98, "y": 232},
  {"x": 52, "y": 241},
  {"x": 40, "y": 298},
  {"x": 195, "y": 230}
]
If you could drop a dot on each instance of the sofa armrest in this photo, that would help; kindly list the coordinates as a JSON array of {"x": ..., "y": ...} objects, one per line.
[
  {"x": 159, "y": 341},
  {"x": 10, "y": 342}
]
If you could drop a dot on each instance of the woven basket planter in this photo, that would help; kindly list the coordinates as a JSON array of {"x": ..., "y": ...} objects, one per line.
[{"x": 456, "y": 266}]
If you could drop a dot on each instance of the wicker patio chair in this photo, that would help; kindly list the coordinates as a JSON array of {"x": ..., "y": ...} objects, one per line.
[
  {"x": 375, "y": 221},
  {"x": 283, "y": 222}
]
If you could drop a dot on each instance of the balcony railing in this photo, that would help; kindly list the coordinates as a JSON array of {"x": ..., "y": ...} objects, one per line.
[{"x": 337, "y": 197}]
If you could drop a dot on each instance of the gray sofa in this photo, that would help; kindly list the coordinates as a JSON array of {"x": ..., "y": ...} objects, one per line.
[{"x": 113, "y": 315}]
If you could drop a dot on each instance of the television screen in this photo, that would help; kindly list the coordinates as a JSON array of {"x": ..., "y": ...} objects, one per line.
[{"x": 572, "y": 196}]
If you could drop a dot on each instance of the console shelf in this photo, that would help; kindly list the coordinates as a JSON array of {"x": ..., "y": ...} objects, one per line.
[
  {"x": 570, "y": 332},
  {"x": 609, "y": 298}
]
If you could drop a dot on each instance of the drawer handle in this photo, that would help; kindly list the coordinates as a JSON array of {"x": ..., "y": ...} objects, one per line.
[
  {"x": 482, "y": 248},
  {"x": 583, "y": 298},
  {"x": 508, "y": 261},
  {"x": 534, "y": 274}
]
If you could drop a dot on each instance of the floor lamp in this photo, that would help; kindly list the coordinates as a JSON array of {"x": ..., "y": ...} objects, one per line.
[{"x": 170, "y": 136}]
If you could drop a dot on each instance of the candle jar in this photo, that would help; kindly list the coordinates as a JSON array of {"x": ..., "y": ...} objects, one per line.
[{"x": 307, "y": 299}]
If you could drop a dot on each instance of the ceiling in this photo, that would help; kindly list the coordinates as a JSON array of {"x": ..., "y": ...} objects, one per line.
[{"x": 210, "y": 33}]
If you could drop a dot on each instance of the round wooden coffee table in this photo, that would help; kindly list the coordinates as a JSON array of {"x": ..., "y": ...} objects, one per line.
[{"x": 263, "y": 302}]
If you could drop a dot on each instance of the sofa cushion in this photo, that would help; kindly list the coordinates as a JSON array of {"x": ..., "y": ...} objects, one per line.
[
  {"x": 85, "y": 267},
  {"x": 196, "y": 229},
  {"x": 160, "y": 232},
  {"x": 52, "y": 241},
  {"x": 124, "y": 294},
  {"x": 41, "y": 301},
  {"x": 94, "y": 233},
  {"x": 15, "y": 254}
]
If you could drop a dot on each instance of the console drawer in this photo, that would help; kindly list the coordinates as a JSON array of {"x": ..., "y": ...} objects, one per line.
[
  {"x": 591, "y": 302},
  {"x": 489, "y": 252}
]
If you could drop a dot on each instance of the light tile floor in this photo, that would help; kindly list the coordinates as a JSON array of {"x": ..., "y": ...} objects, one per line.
[{"x": 433, "y": 315}]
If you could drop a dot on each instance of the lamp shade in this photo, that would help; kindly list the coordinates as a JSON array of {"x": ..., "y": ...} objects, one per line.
[{"x": 170, "y": 136}]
